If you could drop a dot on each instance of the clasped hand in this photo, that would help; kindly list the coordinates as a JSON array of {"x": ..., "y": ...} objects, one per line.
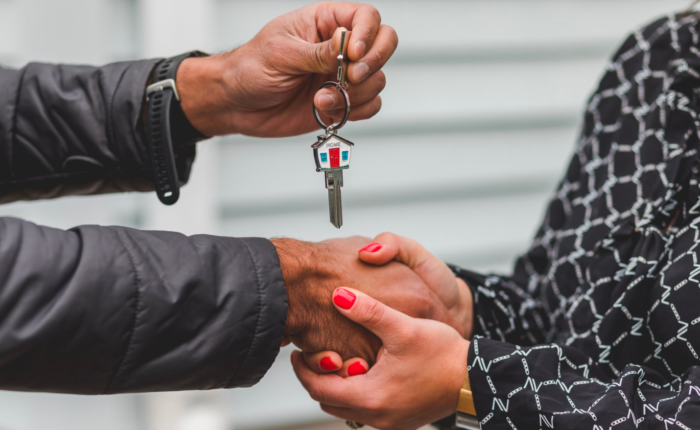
[{"x": 421, "y": 363}]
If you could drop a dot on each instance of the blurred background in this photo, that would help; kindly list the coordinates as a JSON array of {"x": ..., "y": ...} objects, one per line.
[{"x": 480, "y": 116}]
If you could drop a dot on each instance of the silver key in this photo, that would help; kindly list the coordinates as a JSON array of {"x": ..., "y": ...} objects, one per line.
[
  {"x": 334, "y": 183},
  {"x": 332, "y": 155}
]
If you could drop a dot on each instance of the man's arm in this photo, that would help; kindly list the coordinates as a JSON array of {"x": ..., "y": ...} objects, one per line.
[
  {"x": 98, "y": 310},
  {"x": 67, "y": 130}
]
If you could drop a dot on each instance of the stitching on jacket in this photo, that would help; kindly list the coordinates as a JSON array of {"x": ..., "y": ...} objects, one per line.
[
  {"x": 15, "y": 114},
  {"x": 257, "y": 323},
  {"x": 137, "y": 284},
  {"x": 111, "y": 138}
]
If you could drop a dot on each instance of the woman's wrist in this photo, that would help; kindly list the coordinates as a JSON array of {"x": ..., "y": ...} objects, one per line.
[
  {"x": 460, "y": 371},
  {"x": 466, "y": 308}
]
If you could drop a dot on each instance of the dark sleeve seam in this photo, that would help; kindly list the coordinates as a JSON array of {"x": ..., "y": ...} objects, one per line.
[
  {"x": 137, "y": 308},
  {"x": 257, "y": 323},
  {"x": 111, "y": 138},
  {"x": 13, "y": 130}
]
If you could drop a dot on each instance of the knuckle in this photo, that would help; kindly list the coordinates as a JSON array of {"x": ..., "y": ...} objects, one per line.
[
  {"x": 373, "y": 405},
  {"x": 373, "y": 313},
  {"x": 381, "y": 78},
  {"x": 316, "y": 394},
  {"x": 373, "y": 13},
  {"x": 393, "y": 35}
]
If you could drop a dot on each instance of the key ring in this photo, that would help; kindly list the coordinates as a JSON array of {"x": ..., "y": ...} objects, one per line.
[{"x": 330, "y": 129}]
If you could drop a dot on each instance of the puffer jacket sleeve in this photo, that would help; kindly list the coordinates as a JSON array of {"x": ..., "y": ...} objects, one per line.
[
  {"x": 67, "y": 130},
  {"x": 101, "y": 310}
]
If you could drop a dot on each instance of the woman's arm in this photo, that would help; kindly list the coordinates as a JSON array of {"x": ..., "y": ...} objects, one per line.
[{"x": 422, "y": 364}]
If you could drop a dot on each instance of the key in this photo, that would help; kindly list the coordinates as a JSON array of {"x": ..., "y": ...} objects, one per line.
[
  {"x": 334, "y": 183},
  {"x": 332, "y": 155},
  {"x": 332, "y": 152}
]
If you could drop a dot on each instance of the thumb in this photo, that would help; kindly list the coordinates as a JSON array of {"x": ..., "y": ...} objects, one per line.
[
  {"x": 387, "y": 323},
  {"x": 322, "y": 57},
  {"x": 433, "y": 271}
]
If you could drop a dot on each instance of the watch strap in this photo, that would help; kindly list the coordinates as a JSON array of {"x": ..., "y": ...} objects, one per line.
[
  {"x": 466, "y": 400},
  {"x": 162, "y": 107}
]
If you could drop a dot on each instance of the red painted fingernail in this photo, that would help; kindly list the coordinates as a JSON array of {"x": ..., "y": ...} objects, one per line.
[
  {"x": 344, "y": 298},
  {"x": 291, "y": 358},
  {"x": 372, "y": 247},
  {"x": 356, "y": 369},
  {"x": 327, "y": 364}
]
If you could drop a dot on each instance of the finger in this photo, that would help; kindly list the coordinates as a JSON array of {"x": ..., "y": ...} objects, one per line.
[
  {"x": 324, "y": 362},
  {"x": 433, "y": 271},
  {"x": 316, "y": 57},
  {"x": 388, "y": 324},
  {"x": 329, "y": 388},
  {"x": 329, "y": 99},
  {"x": 366, "y": 111},
  {"x": 365, "y": 25},
  {"x": 353, "y": 367},
  {"x": 379, "y": 53}
]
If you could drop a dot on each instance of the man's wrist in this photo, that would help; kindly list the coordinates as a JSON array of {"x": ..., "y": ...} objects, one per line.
[
  {"x": 302, "y": 267},
  {"x": 200, "y": 82}
]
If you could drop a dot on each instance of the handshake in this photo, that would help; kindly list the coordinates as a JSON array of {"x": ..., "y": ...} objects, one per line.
[{"x": 386, "y": 309}]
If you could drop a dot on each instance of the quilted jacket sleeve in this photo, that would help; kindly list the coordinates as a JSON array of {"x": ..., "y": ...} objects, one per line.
[
  {"x": 101, "y": 310},
  {"x": 67, "y": 130}
]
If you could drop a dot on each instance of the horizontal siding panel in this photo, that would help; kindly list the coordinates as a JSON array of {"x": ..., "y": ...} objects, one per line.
[
  {"x": 10, "y": 37},
  {"x": 455, "y": 228},
  {"x": 281, "y": 172},
  {"x": 490, "y": 90},
  {"x": 448, "y": 25}
]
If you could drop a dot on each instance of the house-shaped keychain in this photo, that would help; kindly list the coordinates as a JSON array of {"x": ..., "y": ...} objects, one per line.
[{"x": 332, "y": 152}]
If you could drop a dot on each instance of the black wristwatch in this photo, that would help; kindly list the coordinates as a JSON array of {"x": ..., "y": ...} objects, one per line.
[{"x": 167, "y": 127}]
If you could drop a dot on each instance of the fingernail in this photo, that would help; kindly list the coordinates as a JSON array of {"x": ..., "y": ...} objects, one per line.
[
  {"x": 326, "y": 102},
  {"x": 372, "y": 247},
  {"x": 344, "y": 298},
  {"x": 291, "y": 358},
  {"x": 327, "y": 364},
  {"x": 356, "y": 369},
  {"x": 361, "y": 71},
  {"x": 360, "y": 49}
]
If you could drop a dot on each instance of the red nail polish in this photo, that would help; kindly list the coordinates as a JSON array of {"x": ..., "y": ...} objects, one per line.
[
  {"x": 356, "y": 369},
  {"x": 327, "y": 364},
  {"x": 291, "y": 358},
  {"x": 344, "y": 298},
  {"x": 372, "y": 247}
]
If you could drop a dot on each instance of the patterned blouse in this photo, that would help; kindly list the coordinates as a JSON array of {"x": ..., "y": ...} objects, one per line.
[{"x": 599, "y": 325}]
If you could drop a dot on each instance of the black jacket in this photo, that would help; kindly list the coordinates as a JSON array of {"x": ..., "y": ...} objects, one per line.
[{"x": 98, "y": 310}]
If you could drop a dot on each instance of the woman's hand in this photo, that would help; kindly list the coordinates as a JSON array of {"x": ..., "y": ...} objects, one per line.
[
  {"x": 266, "y": 87},
  {"x": 417, "y": 377},
  {"x": 452, "y": 291}
]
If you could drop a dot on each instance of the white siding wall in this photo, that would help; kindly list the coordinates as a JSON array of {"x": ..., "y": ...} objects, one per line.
[{"x": 480, "y": 116}]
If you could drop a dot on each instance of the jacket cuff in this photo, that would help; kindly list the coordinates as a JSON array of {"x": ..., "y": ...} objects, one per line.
[
  {"x": 127, "y": 118},
  {"x": 271, "y": 318}
]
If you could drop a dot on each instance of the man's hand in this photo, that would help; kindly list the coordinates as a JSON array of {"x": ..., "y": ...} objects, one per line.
[
  {"x": 265, "y": 88},
  {"x": 312, "y": 271},
  {"x": 453, "y": 292}
]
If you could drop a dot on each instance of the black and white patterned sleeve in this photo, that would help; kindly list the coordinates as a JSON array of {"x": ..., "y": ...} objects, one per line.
[
  {"x": 552, "y": 386},
  {"x": 505, "y": 308}
]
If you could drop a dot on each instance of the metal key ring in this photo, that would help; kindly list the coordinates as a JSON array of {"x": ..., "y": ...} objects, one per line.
[{"x": 335, "y": 127}]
